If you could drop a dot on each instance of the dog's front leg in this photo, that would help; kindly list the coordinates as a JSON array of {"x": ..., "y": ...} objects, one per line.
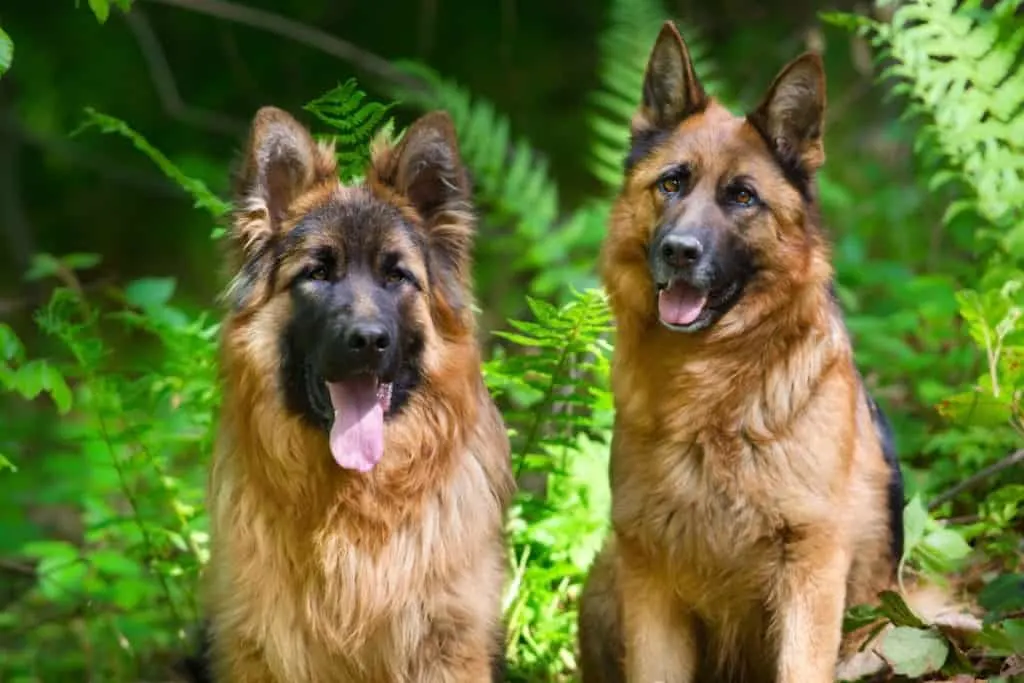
[
  {"x": 659, "y": 633},
  {"x": 809, "y": 611}
]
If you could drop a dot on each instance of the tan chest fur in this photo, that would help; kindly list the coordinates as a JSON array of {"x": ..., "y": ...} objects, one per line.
[
  {"x": 711, "y": 491},
  {"x": 325, "y": 593}
]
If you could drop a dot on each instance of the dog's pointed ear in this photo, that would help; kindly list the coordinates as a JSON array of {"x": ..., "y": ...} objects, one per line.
[
  {"x": 671, "y": 92},
  {"x": 281, "y": 162},
  {"x": 426, "y": 168},
  {"x": 791, "y": 117}
]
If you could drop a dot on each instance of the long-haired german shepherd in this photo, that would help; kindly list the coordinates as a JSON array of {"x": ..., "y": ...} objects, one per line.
[
  {"x": 361, "y": 473},
  {"x": 755, "y": 489}
]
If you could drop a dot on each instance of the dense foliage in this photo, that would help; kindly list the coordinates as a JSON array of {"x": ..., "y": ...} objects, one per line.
[{"x": 104, "y": 531}]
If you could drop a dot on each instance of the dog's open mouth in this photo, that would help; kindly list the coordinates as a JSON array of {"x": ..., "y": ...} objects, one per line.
[
  {"x": 357, "y": 434},
  {"x": 680, "y": 304}
]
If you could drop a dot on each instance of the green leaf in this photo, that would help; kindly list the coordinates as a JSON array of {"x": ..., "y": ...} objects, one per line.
[
  {"x": 10, "y": 345},
  {"x": 915, "y": 520},
  {"x": 6, "y": 52},
  {"x": 115, "y": 564},
  {"x": 80, "y": 261},
  {"x": 101, "y": 8},
  {"x": 60, "y": 392},
  {"x": 6, "y": 464},
  {"x": 892, "y": 605},
  {"x": 41, "y": 550},
  {"x": 947, "y": 544},
  {"x": 978, "y": 409},
  {"x": 859, "y": 616},
  {"x": 1005, "y": 593},
  {"x": 151, "y": 292},
  {"x": 914, "y": 652},
  {"x": 42, "y": 266}
]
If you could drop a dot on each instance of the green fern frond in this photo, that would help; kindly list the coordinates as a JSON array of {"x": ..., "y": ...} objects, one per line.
[
  {"x": 558, "y": 382},
  {"x": 203, "y": 197},
  {"x": 959, "y": 66},
  {"x": 512, "y": 180},
  {"x": 625, "y": 46},
  {"x": 355, "y": 120}
]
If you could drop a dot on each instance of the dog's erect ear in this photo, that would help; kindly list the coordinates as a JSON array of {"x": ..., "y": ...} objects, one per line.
[
  {"x": 672, "y": 91},
  {"x": 791, "y": 117},
  {"x": 281, "y": 162},
  {"x": 426, "y": 168}
]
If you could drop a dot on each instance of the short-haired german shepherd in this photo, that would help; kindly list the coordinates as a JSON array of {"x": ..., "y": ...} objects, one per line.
[
  {"x": 755, "y": 489},
  {"x": 361, "y": 473}
]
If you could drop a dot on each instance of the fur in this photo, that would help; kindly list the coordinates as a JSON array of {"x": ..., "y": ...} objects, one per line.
[
  {"x": 323, "y": 574},
  {"x": 755, "y": 490}
]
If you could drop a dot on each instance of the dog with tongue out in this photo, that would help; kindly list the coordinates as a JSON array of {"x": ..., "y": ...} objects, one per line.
[{"x": 361, "y": 472}]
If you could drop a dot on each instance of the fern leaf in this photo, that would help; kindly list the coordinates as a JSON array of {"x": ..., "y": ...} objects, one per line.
[
  {"x": 354, "y": 120},
  {"x": 958, "y": 64},
  {"x": 202, "y": 197},
  {"x": 560, "y": 376}
]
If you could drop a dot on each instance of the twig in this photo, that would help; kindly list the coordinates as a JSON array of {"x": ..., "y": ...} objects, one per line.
[
  {"x": 301, "y": 33},
  {"x": 167, "y": 88},
  {"x": 972, "y": 481},
  {"x": 17, "y": 568}
]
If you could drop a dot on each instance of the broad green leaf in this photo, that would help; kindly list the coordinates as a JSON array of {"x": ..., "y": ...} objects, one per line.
[
  {"x": 914, "y": 652},
  {"x": 6, "y": 52},
  {"x": 946, "y": 544},
  {"x": 151, "y": 292},
  {"x": 114, "y": 563},
  {"x": 979, "y": 409},
  {"x": 6, "y": 464},
  {"x": 1005, "y": 593},
  {"x": 61, "y": 550},
  {"x": 60, "y": 579}
]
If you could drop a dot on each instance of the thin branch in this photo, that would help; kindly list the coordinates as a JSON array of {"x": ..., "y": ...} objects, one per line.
[
  {"x": 166, "y": 87},
  {"x": 300, "y": 33},
  {"x": 1015, "y": 458}
]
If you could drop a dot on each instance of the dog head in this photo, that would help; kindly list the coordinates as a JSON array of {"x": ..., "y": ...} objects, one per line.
[
  {"x": 343, "y": 295},
  {"x": 715, "y": 208}
]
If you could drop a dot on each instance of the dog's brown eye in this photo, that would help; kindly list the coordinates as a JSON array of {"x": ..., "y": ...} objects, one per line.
[
  {"x": 743, "y": 197},
  {"x": 319, "y": 273},
  {"x": 395, "y": 277},
  {"x": 670, "y": 185}
]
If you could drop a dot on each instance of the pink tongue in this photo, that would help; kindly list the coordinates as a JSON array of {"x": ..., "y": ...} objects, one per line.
[
  {"x": 680, "y": 304},
  {"x": 357, "y": 435}
]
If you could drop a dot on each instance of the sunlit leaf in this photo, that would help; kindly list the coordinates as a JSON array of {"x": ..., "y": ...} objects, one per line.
[{"x": 914, "y": 652}]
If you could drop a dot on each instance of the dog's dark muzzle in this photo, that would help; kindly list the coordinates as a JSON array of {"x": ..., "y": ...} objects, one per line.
[
  {"x": 359, "y": 347},
  {"x": 681, "y": 254}
]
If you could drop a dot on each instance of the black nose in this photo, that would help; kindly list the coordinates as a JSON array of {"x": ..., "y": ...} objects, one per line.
[
  {"x": 367, "y": 338},
  {"x": 681, "y": 250}
]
